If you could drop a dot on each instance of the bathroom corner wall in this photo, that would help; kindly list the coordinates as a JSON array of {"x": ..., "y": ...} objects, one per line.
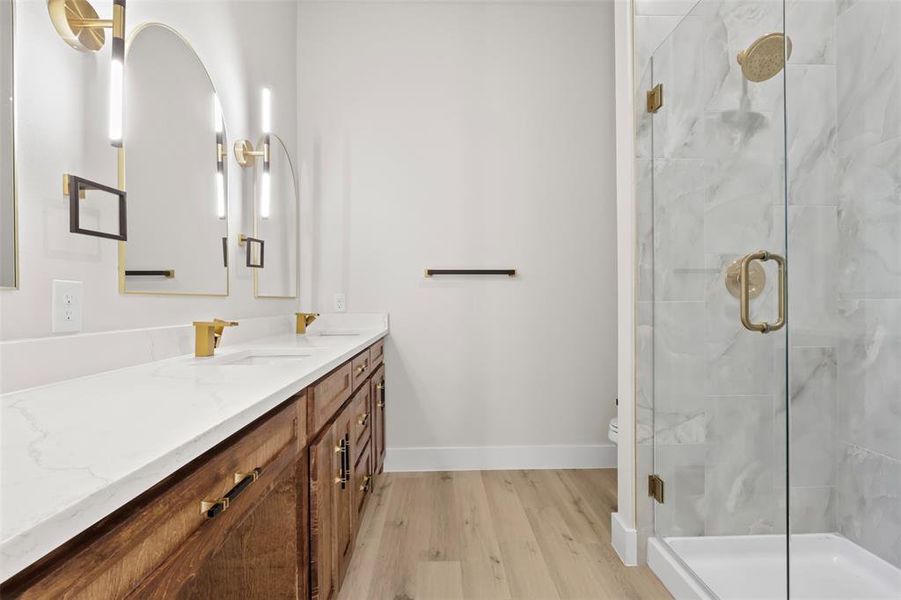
[
  {"x": 868, "y": 274},
  {"x": 61, "y": 98}
]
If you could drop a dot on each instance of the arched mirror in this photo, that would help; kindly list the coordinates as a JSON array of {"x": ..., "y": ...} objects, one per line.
[
  {"x": 275, "y": 222},
  {"x": 173, "y": 166}
]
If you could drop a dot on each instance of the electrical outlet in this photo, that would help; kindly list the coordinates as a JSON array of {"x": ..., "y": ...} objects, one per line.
[
  {"x": 340, "y": 303},
  {"x": 67, "y": 306}
]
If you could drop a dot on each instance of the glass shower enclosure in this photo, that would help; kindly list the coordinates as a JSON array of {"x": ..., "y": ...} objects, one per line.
[{"x": 769, "y": 287}]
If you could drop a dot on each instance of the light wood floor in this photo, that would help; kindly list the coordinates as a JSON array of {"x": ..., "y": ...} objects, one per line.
[{"x": 493, "y": 534}]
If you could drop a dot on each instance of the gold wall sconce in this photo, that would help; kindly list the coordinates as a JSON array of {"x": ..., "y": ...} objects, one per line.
[
  {"x": 246, "y": 155},
  {"x": 77, "y": 23}
]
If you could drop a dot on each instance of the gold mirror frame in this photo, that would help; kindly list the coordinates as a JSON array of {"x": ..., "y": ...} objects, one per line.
[
  {"x": 121, "y": 177},
  {"x": 12, "y": 134},
  {"x": 256, "y": 222}
]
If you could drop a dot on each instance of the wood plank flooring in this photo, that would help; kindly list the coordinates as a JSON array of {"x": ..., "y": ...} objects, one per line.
[{"x": 542, "y": 535}]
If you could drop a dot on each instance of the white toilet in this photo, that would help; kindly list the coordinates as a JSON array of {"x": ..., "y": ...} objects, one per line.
[{"x": 613, "y": 429}]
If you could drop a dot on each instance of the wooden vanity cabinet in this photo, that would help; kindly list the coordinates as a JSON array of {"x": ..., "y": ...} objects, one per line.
[{"x": 297, "y": 482}]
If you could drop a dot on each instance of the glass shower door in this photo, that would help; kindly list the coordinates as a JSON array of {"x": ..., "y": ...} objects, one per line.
[{"x": 713, "y": 295}]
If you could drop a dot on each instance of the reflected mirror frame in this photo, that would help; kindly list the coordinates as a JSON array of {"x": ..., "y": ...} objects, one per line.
[
  {"x": 77, "y": 186},
  {"x": 12, "y": 133},
  {"x": 256, "y": 223},
  {"x": 121, "y": 169}
]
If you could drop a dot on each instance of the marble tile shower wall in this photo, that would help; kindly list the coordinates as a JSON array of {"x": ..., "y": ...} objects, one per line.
[{"x": 867, "y": 504}]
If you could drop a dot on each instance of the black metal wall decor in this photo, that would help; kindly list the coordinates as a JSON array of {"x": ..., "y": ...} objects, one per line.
[{"x": 75, "y": 188}]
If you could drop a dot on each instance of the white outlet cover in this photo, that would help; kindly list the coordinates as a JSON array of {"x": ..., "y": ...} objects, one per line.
[
  {"x": 340, "y": 303},
  {"x": 68, "y": 301}
]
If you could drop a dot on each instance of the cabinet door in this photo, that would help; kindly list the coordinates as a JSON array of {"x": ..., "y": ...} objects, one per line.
[
  {"x": 325, "y": 468},
  {"x": 343, "y": 495},
  {"x": 378, "y": 426}
]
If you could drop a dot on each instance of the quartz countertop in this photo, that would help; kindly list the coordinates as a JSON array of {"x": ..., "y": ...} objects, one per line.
[{"x": 73, "y": 452}]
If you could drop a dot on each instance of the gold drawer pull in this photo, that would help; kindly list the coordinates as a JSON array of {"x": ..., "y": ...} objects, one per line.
[
  {"x": 360, "y": 369},
  {"x": 211, "y": 508},
  {"x": 363, "y": 419},
  {"x": 367, "y": 481}
]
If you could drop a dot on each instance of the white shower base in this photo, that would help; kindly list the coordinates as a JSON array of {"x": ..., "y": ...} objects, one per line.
[{"x": 823, "y": 567}]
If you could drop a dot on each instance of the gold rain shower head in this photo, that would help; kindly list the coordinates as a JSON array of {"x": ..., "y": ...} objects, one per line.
[{"x": 765, "y": 57}]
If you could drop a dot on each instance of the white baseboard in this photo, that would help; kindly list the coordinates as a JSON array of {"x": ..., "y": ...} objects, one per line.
[
  {"x": 491, "y": 458},
  {"x": 674, "y": 576},
  {"x": 625, "y": 540}
]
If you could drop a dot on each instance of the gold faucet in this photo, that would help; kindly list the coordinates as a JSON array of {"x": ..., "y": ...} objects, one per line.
[
  {"x": 208, "y": 334},
  {"x": 304, "y": 320}
]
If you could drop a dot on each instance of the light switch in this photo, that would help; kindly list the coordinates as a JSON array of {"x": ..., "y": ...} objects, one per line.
[{"x": 68, "y": 300}]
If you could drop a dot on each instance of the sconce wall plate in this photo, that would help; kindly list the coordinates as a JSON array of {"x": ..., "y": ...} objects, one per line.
[
  {"x": 75, "y": 187},
  {"x": 246, "y": 155},
  {"x": 77, "y": 23}
]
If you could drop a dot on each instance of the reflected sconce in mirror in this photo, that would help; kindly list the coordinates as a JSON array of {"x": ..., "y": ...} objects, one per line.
[
  {"x": 248, "y": 241},
  {"x": 246, "y": 155},
  {"x": 221, "y": 154},
  {"x": 77, "y": 23},
  {"x": 76, "y": 189}
]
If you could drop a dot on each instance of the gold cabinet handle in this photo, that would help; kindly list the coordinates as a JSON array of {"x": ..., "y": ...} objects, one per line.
[
  {"x": 363, "y": 419},
  {"x": 381, "y": 388},
  {"x": 745, "y": 296},
  {"x": 367, "y": 481},
  {"x": 343, "y": 448},
  {"x": 360, "y": 369},
  {"x": 211, "y": 508}
]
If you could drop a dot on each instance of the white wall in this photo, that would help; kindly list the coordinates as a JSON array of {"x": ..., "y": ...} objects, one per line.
[
  {"x": 470, "y": 135},
  {"x": 62, "y": 102}
]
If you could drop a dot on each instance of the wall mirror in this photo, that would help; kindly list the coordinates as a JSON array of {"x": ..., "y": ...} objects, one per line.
[
  {"x": 173, "y": 166},
  {"x": 275, "y": 222},
  {"x": 9, "y": 247}
]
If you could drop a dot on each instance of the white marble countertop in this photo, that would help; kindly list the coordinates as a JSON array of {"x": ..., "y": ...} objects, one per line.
[{"x": 73, "y": 452}]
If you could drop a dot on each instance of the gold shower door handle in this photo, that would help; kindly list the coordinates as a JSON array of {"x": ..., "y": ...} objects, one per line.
[{"x": 745, "y": 286}]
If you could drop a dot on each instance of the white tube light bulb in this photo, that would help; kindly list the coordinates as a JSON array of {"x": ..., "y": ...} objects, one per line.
[
  {"x": 220, "y": 195},
  {"x": 116, "y": 89},
  {"x": 266, "y": 111},
  {"x": 265, "y": 200},
  {"x": 217, "y": 114}
]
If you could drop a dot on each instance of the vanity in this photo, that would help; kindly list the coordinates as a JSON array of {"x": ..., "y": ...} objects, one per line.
[{"x": 270, "y": 511}]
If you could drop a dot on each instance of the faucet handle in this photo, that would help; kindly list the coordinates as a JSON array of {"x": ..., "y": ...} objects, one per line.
[{"x": 224, "y": 323}]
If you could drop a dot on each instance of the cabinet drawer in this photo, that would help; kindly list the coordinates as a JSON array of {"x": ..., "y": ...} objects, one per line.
[
  {"x": 360, "y": 365},
  {"x": 361, "y": 419},
  {"x": 327, "y": 397},
  {"x": 146, "y": 533},
  {"x": 376, "y": 354}
]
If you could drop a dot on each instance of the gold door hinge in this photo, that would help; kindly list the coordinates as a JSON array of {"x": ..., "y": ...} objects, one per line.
[
  {"x": 655, "y": 488},
  {"x": 655, "y": 98}
]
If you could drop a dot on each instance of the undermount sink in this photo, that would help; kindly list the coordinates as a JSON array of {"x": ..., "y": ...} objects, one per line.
[{"x": 257, "y": 357}]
